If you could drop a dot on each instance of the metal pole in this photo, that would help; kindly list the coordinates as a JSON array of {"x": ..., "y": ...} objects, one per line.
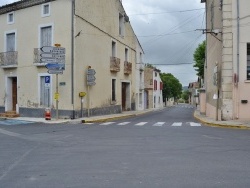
[
  {"x": 88, "y": 99},
  {"x": 57, "y": 97},
  {"x": 81, "y": 107}
]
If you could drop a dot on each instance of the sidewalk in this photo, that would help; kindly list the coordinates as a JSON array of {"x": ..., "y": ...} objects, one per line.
[
  {"x": 91, "y": 119},
  {"x": 226, "y": 124}
]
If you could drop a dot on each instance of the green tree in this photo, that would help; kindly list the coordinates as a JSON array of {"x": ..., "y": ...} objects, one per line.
[
  {"x": 199, "y": 58},
  {"x": 185, "y": 95},
  {"x": 171, "y": 86}
]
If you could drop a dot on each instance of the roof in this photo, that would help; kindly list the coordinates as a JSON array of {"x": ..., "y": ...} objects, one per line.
[{"x": 21, "y": 5}]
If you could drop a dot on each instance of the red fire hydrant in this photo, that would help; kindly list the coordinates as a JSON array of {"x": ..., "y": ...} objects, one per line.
[{"x": 47, "y": 114}]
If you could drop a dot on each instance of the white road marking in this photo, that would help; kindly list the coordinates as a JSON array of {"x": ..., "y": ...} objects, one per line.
[
  {"x": 107, "y": 123},
  {"x": 177, "y": 124},
  {"x": 192, "y": 124},
  {"x": 10, "y": 133},
  {"x": 141, "y": 124},
  {"x": 123, "y": 123},
  {"x": 158, "y": 124}
]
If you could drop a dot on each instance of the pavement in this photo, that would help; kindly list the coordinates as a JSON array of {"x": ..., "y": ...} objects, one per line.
[{"x": 200, "y": 117}]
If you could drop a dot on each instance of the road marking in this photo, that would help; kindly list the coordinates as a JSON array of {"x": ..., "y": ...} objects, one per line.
[
  {"x": 192, "y": 124},
  {"x": 14, "y": 122},
  {"x": 123, "y": 123},
  {"x": 107, "y": 123},
  {"x": 9, "y": 133},
  {"x": 177, "y": 124},
  {"x": 141, "y": 124},
  {"x": 158, "y": 124}
]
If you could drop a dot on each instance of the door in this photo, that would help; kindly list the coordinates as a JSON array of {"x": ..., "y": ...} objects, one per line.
[
  {"x": 123, "y": 96},
  {"x": 14, "y": 93}
]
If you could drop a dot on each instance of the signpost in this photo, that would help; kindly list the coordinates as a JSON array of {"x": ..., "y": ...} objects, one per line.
[
  {"x": 55, "y": 59},
  {"x": 90, "y": 82}
]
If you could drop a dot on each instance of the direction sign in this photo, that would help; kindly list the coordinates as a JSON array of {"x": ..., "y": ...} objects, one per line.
[
  {"x": 90, "y": 83},
  {"x": 55, "y": 66},
  {"x": 51, "y": 55},
  {"x": 55, "y": 71},
  {"x": 90, "y": 78},
  {"x": 52, "y": 49},
  {"x": 91, "y": 71},
  {"x": 52, "y": 60}
]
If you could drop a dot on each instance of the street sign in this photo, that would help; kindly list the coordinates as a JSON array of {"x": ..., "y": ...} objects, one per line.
[
  {"x": 52, "y": 60},
  {"x": 91, "y": 71},
  {"x": 90, "y": 83},
  {"x": 47, "y": 79},
  {"x": 90, "y": 78},
  {"x": 54, "y": 50},
  {"x": 55, "y": 71},
  {"x": 52, "y": 56},
  {"x": 55, "y": 66}
]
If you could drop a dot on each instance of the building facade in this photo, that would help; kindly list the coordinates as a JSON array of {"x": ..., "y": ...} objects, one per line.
[
  {"x": 227, "y": 80},
  {"x": 96, "y": 35}
]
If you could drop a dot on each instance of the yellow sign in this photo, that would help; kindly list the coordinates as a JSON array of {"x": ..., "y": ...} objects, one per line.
[
  {"x": 82, "y": 94},
  {"x": 56, "y": 96}
]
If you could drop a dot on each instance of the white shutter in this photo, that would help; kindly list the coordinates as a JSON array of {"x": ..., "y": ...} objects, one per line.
[
  {"x": 46, "y": 36},
  {"x": 10, "y": 42}
]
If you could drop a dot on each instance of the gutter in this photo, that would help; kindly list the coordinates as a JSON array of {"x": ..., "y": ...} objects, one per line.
[{"x": 72, "y": 58}]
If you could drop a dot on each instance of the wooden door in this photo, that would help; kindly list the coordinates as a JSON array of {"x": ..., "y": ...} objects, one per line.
[
  {"x": 14, "y": 93},
  {"x": 123, "y": 96}
]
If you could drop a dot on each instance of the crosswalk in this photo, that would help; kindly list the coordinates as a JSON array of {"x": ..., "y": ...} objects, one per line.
[{"x": 154, "y": 124}]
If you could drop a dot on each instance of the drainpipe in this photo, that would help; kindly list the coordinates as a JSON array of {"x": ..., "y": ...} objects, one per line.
[
  {"x": 238, "y": 59},
  {"x": 72, "y": 58}
]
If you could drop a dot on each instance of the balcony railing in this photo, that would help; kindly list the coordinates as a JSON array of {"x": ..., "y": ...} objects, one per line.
[
  {"x": 8, "y": 59},
  {"x": 114, "y": 64},
  {"x": 127, "y": 67}
]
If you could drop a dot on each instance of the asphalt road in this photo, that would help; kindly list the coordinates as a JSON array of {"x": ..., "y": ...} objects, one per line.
[{"x": 167, "y": 148}]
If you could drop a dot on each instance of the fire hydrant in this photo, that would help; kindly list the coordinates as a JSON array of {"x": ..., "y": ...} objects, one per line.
[{"x": 47, "y": 114}]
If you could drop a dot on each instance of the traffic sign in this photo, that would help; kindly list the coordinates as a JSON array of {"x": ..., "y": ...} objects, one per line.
[
  {"x": 90, "y": 83},
  {"x": 91, "y": 71},
  {"x": 55, "y": 71},
  {"x": 47, "y": 79},
  {"x": 55, "y": 66},
  {"x": 52, "y": 56},
  {"x": 54, "y": 50},
  {"x": 90, "y": 78},
  {"x": 52, "y": 60}
]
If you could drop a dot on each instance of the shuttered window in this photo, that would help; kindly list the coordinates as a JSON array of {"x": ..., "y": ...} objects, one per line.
[
  {"x": 46, "y": 36},
  {"x": 10, "y": 42}
]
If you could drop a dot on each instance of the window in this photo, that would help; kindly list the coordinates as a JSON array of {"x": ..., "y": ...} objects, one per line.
[
  {"x": 46, "y": 10},
  {"x": 46, "y": 36},
  {"x": 11, "y": 42},
  {"x": 10, "y": 18},
  {"x": 113, "y": 49},
  {"x": 126, "y": 54},
  {"x": 45, "y": 90},
  {"x": 113, "y": 90},
  {"x": 121, "y": 25},
  {"x": 248, "y": 61}
]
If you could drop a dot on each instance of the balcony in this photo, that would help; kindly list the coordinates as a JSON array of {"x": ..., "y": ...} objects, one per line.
[
  {"x": 127, "y": 67},
  {"x": 114, "y": 64},
  {"x": 37, "y": 57},
  {"x": 8, "y": 59}
]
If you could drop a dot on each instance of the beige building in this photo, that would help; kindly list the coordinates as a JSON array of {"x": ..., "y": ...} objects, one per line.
[
  {"x": 227, "y": 68},
  {"x": 96, "y": 35},
  {"x": 153, "y": 88}
]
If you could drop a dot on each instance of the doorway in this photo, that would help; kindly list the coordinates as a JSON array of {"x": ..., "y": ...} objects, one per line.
[{"x": 125, "y": 96}]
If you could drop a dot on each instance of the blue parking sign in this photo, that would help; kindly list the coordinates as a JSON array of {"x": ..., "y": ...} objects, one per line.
[{"x": 47, "y": 79}]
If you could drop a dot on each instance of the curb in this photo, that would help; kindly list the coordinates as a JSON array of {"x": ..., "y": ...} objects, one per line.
[{"x": 220, "y": 125}]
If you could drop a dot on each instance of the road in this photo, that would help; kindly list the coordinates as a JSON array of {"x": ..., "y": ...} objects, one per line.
[{"x": 166, "y": 148}]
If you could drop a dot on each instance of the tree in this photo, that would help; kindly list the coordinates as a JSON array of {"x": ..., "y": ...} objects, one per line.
[
  {"x": 185, "y": 95},
  {"x": 199, "y": 58},
  {"x": 171, "y": 86}
]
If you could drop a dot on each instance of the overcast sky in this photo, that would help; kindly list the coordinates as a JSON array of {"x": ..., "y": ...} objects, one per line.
[{"x": 166, "y": 31}]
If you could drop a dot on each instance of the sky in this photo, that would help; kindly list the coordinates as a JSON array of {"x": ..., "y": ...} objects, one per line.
[{"x": 169, "y": 32}]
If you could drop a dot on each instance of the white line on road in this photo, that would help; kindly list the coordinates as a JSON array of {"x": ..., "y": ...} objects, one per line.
[
  {"x": 107, "y": 123},
  {"x": 141, "y": 124},
  {"x": 192, "y": 124},
  {"x": 177, "y": 124},
  {"x": 123, "y": 123},
  {"x": 158, "y": 124}
]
